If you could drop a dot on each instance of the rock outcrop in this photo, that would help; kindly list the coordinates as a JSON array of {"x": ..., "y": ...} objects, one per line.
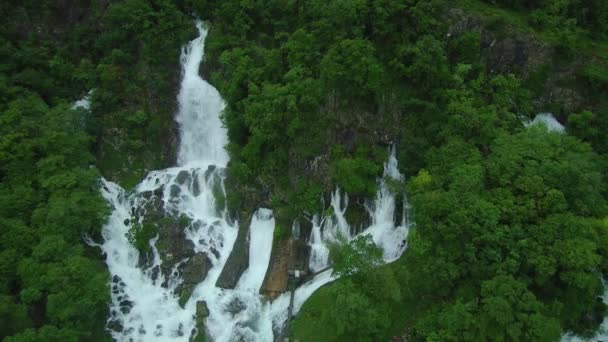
[
  {"x": 289, "y": 254},
  {"x": 192, "y": 272},
  {"x": 238, "y": 261},
  {"x": 507, "y": 49},
  {"x": 176, "y": 251},
  {"x": 199, "y": 334}
]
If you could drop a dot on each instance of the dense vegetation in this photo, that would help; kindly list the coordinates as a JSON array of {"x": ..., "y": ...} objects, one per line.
[
  {"x": 511, "y": 235},
  {"x": 53, "y": 286},
  {"x": 511, "y": 238}
]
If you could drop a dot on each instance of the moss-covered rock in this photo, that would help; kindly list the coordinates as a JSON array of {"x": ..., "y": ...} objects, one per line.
[
  {"x": 202, "y": 312},
  {"x": 192, "y": 272}
]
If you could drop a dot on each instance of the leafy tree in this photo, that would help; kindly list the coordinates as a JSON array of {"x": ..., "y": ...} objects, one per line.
[
  {"x": 352, "y": 70},
  {"x": 361, "y": 255}
]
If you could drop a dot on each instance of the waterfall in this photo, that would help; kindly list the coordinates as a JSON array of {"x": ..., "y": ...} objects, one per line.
[
  {"x": 202, "y": 135},
  {"x": 548, "y": 120},
  {"x": 383, "y": 231},
  {"x": 144, "y": 288}
]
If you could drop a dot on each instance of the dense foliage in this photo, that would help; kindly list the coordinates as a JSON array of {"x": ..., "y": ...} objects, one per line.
[
  {"x": 53, "y": 286},
  {"x": 591, "y": 15},
  {"x": 510, "y": 235},
  {"x": 509, "y": 242}
]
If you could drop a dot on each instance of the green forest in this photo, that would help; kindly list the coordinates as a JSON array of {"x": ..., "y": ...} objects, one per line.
[{"x": 510, "y": 234}]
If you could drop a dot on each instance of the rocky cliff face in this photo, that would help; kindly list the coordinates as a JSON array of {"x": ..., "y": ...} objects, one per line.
[{"x": 506, "y": 49}]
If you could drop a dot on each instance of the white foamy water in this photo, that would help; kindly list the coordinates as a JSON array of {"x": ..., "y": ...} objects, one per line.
[
  {"x": 202, "y": 135},
  {"x": 260, "y": 247},
  {"x": 84, "y": 103},
  {"x": 385, "y": 233},
  {"x": 145, "y": 306},
  {"x": 549, "y": 121}
]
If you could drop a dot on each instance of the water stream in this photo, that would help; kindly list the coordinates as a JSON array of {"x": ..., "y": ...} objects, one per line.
[{"x": 144, "y": 305}]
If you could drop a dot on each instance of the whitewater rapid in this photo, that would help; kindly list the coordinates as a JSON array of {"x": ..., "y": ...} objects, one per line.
[{"x": 144, "y": 304}]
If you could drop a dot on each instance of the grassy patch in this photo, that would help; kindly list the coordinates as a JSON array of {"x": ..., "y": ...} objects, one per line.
[{"x": 309, "y": 325}]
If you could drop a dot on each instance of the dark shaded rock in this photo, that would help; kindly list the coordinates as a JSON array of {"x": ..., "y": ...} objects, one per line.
[
  {"x": 175, "y": 190},
  {"x": 356, "y": 214},
  {"x": 235, "y": 306},
  {"x": 202, "y": 311},
  {"x": 193, "y": 272},
  {"x": 127, "y": 222},
  {"x": 158, "y": 331},
  {"x": 145, "y": 259},
  {"x": 172, "y": 245},
  {"x": 155, "y": 272},
  {"x": 210, "y": 170},
  {"x": 238, "y": 261},
  {"x": 125, "y": 306},
  {"x": 196, "y": 187},
  {"x": 506, "y": 49},
  {"x": 299, "y": 255},
  {"x": 304, "y": 229},
  {"x": 182, "y": 177},
  {"x": 115, "y": 325}
]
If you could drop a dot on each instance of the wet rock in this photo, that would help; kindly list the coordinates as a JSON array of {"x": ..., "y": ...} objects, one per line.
[
  {"x": 238, "y": 261},
  {"x": 115, "y": 325},
  {"x": 175, "y": 190},
  {"x": 276, "y": 279},
  {"x": 399, "y": 203},
  {"x": 158, "y": 331},
  {"x": 125, "y": 306},
  {"x": 202, "y": 311},
  {"x": 209, "y": 171},
  {"x": 196, "y": 187},
  {"x": 127, "y": 222},
  {"x": 153, "y": 207},
  {"x": 155, "y": 272},
  {"x": 235, "y": 306},
  {"x": 215, "y": 252},
  {"x": 182, "y": 177},
  {"x": 146, "y": 259},
  {"x": 299, "y": 255},
  {"x": 172, "y": 245},
  {"x": 304, "y": 229},
  {"x": 193, "y": 272}
]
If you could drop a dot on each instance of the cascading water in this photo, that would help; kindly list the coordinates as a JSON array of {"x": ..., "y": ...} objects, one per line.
[
  {"x": 548, "y": 120},
  {"x": 145, "y": 303},
  {"x": 385, "y": 234}
]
